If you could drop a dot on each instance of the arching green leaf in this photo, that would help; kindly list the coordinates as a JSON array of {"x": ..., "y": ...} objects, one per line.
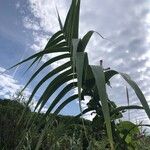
[
  {"x": 138, "y": 93},
  {"x": 85, "y": 40},
  {"x": 109, "y": 74},
  {"x": 121, "y": 108},
  {"x": 67, "y": 101},
  {"x": 84, "y": 112},
  {"x": 56, "y": 41},
  {"x": 54, "y": 59},
  {"x": 134, "y": 86},
  {"x": 100, "y": 83},
  {"x": 52, "y": 87},
  {"x": 56, "y": 35},
  {"x": 41, "y": 53},
  {"x": 48, "y": 76},
  {"x": 34, "y": 61},
  {"x": 63, "y": 92}
]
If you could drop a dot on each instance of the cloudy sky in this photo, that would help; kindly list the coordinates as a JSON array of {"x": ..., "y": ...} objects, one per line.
[{"x": 26, "y": 25}]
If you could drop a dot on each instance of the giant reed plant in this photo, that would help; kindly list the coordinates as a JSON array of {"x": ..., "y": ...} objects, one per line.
[{"x": 90, "y": 80}]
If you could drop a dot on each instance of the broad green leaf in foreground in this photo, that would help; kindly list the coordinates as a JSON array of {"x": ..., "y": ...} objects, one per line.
[{"x": 100, "y": 83}]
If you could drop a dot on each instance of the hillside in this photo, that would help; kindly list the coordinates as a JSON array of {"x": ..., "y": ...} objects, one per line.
[{"x": 62, "y": 132}]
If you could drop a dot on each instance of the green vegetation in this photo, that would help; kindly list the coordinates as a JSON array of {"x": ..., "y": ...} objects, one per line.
[
  {"x": 104, "y": 132},
  {"x": 64, "y": 132}
]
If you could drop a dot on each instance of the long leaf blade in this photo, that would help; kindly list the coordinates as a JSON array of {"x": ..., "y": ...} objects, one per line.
[
  {"x": 54, "y": 59},
  {"x": 41, "y": 53},
  {"x": 48, "y": 76},
  {"x": 63, "y": 92},
  {"x": 66, "y": 102},
  {"x": 134, "y": 86},
  {"x": 100, "y": 82},
  {"x": 138, "y": 92},
  {"x": 52, "y": 87}
]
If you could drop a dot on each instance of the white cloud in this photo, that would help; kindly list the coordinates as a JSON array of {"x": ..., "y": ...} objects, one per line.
[
  {"x": 30, "y": 24},
  {"x": 2, "y": 70},
  {"x": 17, "y": 5},
  {"x": 46, "y": 13},
  {"x": 9, "y": 86},
  {"x": 125, "y": 22}
]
